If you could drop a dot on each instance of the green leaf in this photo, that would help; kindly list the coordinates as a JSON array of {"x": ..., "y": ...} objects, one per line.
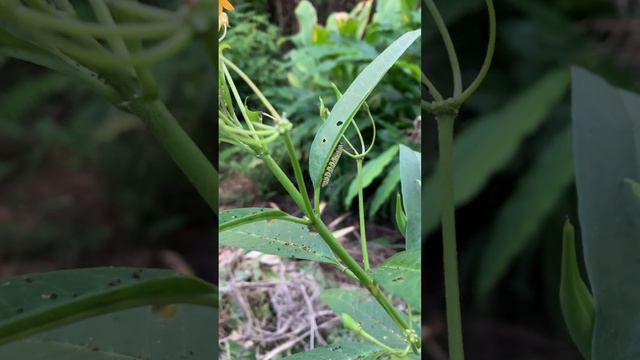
[
  {"x": 278, "y": 237},
  {"x": 385, "y": 190},
  {"x": 135, "y": 334},
  {"x": 366, "y": 310},
  {"x": 345, "y": 350},
  {"x": 575, "y": 299},
  {"x": 370, "y": 171},
  {"x": 401, "y": 275},
  {"x": 635, "y": 187},
  {"x": 236, "y": 217},
  {"x": 518, "y": 221},
  {"x": 307, "y": 19},
  {"x": 491, "y": 142},
  {"x": 34, "y": 303},
  {"x": 401, "y": 218},
  {"x": 411, "y": 181},
  {"x": 606, "y": 136},
  {"x": 330, "y": 131}
]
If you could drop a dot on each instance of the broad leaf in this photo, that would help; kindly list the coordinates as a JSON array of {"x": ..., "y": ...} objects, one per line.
[
  {"x": 364, "y": 309},
  {"x": 37, "y": 302},
  {"x": 401, "y": 275},
  {"x": 345, "y": 350},
  {"x": 370, "y": 171},
  {"x": 411, "y": 181},
  {"x": 491, "y": 142},
  {"x": 537, "y": 192},
  {"x": 135, "y": 334},
  {"x": 385, "y": 190},
  {"x": 606, "y": 136},
  {"x": 330, "y": 131},
  {"x": 278, "y": 237},
  {"x": 236, "y": 217}
]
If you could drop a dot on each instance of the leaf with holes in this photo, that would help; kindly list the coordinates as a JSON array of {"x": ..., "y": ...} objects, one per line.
[
  {"x": 236, "y": 217},
  {"x": 134, "y": 334},
  {"x": 331, "y": 131},
  {"x": 362, "y": 307},
  {"x": 279, "y": 237},
  {"x": 340, "y": 351},
  {"x": 34, "y": 303},
  {"x": 370, "y": 171},
  {"x": 401, "y": 276}
]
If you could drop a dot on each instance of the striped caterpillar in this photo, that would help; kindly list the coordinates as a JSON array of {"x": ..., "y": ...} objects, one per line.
[{"x": 332, "y": 165}]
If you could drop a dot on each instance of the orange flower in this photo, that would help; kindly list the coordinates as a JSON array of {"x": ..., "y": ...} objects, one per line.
[
  {"x": 223, "y": 19},
  {"x": 224, "y": 5}
]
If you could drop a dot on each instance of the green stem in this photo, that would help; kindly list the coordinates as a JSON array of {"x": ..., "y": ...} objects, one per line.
[
  {"x": 362, "y": 276},
  {"x": 363, "y": 231},
  {"x": 284, "y": 180},
  {"x": 488, "y": 57},
  {"x": 180, "y": 147},
  {"x": 452, "y": 291},
  {"x": 448, "y": 43},
  {"x": 297, "y": 170}
]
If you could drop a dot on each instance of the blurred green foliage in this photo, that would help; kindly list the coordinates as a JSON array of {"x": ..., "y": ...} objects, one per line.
[
  {"x": 298, "y": 71},
  {"x": 78, "y": 175},
  {"x": 514, "y": 164}
]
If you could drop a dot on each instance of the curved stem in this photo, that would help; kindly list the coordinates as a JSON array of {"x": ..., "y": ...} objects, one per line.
[
  {"x": 253, "y": 87},
  {"x": 451, "y": 51},
  {"x": 452, "y": 291},
  {"x": 431, "y": 88},
  {"x": 78, "y": 27},
  {"x": 363, "y": 231},
  {"x": 488, "y": 57}
]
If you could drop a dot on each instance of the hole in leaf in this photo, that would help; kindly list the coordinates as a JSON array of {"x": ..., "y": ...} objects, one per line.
[
  {"x": 339, "y": 123},
  {"x": 324, "y": 140}
]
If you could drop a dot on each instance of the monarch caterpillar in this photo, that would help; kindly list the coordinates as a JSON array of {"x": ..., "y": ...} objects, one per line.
[{"x": 332, "y": 165}]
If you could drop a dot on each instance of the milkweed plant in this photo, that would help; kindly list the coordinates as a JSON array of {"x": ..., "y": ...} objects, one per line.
[
  {"x": 445, "y": 111},
  {"x": 389, "y": 328}
]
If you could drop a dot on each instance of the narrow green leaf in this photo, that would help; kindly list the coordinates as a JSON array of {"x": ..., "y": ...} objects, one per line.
[
  {"x": 491, "y": 142},
  {"x": 518, "y": 221},
  {"x": 278, "y": 237},
  {"x": 370, "y": 171},
  {"x": 35, "y": 303},
  {"x": 134, "y": 334},
  {"x": 606, "y": 137},
  {"x": 236, "y": 217},
  {"x": 401, "y": 218},
  {"x": 575, "y": 299},
  {"x": 340, "y": 351},
  {"x": 411, "y": 181},
  {"x": 364, "y": 309},
  {"x": 401, "y": 275},
  {"x": 385, "y": 190},
  {"x": 330, "y": 131}
]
